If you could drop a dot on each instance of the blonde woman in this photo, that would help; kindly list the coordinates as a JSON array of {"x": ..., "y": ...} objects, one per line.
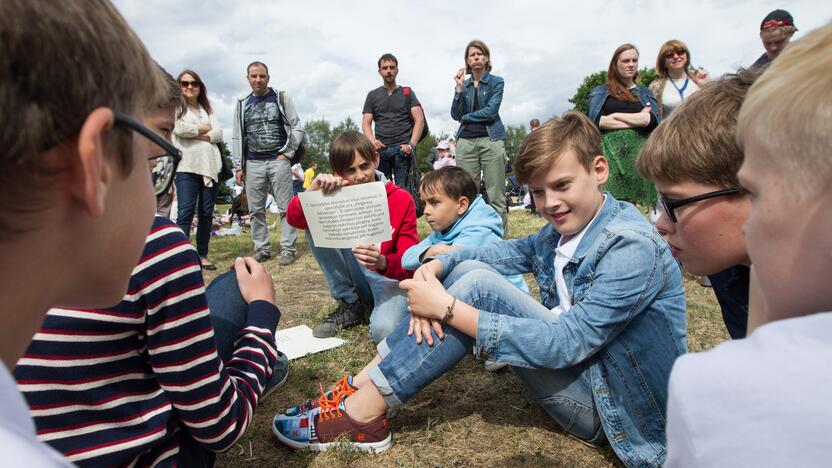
[
  {"x": 197, "y": 133},
  {"x": 676, "y": 79}
]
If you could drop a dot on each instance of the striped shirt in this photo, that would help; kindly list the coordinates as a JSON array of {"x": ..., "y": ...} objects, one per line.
[{"x": 119, "y": 386}]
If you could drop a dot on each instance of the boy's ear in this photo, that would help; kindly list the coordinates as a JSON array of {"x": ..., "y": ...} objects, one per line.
[
  {"x": 92, "y": 174},
  {"x": 463, "y": 205},
  {"x": 600, "y": 169},
  {"x": 376, "y": 159}
]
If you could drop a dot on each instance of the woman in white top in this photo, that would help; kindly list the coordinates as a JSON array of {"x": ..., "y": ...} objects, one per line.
[
  {"x": 676, "y": 80},
  {"x": 197, "y": 133}
]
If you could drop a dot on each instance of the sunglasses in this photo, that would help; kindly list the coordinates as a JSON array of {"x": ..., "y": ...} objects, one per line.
[
  {"x": 164, "y": 165},
  {"x": 680, "y": 53},
  {"x": 670, "y": 206},
  {"x": 189, "y": 84}
]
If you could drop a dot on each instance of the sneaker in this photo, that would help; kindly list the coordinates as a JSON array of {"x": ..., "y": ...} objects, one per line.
[
  {"x": 704, "y": 281},
  {"x": 261, "y": 256},
  {"x": 494, "y": 366},
  {"x": 280, "y": 374},
  {"x": 286, "y": 258},
  {"x": 343, "y": 386},
  {"x": 329, "y": 426},
  {"x": 344, "y": 316}
]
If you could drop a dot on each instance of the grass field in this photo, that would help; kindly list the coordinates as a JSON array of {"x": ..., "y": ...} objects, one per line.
[{"x": 469, "y": 417}]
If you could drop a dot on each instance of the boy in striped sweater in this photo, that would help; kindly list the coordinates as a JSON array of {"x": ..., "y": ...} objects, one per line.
[{"x": 167, "y": 376}]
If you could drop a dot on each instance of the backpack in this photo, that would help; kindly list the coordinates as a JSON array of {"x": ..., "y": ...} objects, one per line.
[
  {"x": 300, "y": 151},
  {"x": 425, "y": 131}
]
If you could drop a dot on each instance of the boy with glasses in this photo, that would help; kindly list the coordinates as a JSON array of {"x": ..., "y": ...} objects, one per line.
[
  {"x": 693, "y": 159},
  {"x": 158, "y": 378}
]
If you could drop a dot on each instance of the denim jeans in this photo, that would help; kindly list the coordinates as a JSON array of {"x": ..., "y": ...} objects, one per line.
[
  {"x": 190, "y": 189},
  {"x": 486, "y": 156},
  {"x": 343, "y": 274},
  {"x": 265, "y": 176},
  {"x": 407, "y": 367},
  {"x": 389, "y": 305},
  {"x": 394, "y": 164}
]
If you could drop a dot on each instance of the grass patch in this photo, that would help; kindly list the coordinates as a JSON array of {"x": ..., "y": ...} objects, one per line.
[{"x": 468, "y": 417}]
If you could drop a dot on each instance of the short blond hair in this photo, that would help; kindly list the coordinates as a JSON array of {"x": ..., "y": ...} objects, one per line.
[
  {"x": 698, "y": 141},
  {"x": 544, "y": 146},
  {"x": 788, "y": 112}
]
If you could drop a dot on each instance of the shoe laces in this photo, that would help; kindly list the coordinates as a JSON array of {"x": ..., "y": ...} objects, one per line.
[{"x": 330, "y": 405}]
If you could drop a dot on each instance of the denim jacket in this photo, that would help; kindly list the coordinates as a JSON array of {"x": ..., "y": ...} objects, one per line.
[
  {"x": 599, "y": 94},
  {"x": 627, "y": 321},
  {"x": 490, "y": 98}
]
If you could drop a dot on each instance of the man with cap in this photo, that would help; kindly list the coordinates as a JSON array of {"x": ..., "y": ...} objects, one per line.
[
  {"x": 444, "y": 156},
  {"x": 775, "y": 31}
]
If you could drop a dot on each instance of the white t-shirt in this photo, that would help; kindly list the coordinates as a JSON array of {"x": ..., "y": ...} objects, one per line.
[
  {"x": 297, "y": 172},
  {"x": 18, "y": 444},
  {"x": 760, "y": 401},
  {"x": 563, "y": 255},
  {"x": 673, "y": 93}
]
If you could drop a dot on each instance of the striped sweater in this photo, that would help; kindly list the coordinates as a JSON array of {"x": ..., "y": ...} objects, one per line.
[{"x": 119, "y": 386}]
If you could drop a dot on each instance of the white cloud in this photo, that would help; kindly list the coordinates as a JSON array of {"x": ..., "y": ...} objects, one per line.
[{"x": 324, "y": 52}]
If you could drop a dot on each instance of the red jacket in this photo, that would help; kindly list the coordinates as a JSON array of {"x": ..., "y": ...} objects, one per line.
[{"x": 402, "y": 219}]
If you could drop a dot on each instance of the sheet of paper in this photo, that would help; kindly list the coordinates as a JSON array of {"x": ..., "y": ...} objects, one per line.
[
  {"x": 350, "y": 216},
  {"x": 297, "y": 342}
]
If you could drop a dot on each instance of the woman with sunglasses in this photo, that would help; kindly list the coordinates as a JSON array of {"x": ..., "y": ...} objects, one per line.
[
  {"x": 626, "y": 114},
  {"x": 676, "y": 79},
  {"x": 197, "y": 133}
]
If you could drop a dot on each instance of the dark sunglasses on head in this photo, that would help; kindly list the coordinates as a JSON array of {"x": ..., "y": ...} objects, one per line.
[
  {"x": 189, "y": 84},
  {"x": 670, "y": 206},
  {"x": 164, "y": 166}
]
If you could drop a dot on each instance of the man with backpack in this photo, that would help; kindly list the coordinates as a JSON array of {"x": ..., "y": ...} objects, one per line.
[
  {"x": 266, "y": 139},
  {"x": 399, "y": 122}
]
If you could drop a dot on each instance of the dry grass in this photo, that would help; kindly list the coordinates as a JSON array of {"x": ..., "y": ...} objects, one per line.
[{"x": 469, "y": 417}]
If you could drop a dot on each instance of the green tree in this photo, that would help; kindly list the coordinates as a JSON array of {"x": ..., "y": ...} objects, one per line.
[
  {"x": 223, "y": 190},
  {"x": 345, "y": 125},
  {"x": 514, "y": 138},
  {"x": 423, "y": 150},
  {"x": 581, "y": 98},
  {"x": 318, "y": 136}
]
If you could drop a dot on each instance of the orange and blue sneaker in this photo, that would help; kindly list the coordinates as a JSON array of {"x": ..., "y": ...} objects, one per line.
[
  {"x": 342, "y": 386},
  {"x": 328, "y": 425}
]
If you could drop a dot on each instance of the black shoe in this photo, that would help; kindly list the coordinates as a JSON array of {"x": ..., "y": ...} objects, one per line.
[{"x": 344, "y": 316}]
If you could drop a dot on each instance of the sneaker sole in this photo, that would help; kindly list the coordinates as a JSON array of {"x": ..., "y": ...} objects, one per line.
[
  {"x": 275, "y": 387},
  {"x": 369, "y": 447}
]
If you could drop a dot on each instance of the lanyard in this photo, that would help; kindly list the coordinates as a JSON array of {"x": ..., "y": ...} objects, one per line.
[{"x": 681, "y": 90}]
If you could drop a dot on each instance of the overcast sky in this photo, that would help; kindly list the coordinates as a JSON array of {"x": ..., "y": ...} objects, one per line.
[{"x": 324, "y": 53}]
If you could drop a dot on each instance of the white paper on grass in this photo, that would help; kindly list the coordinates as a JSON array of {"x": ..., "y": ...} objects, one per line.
[
  {"x": 298, "y": 342},
  {"x": 349, "y": 216}
]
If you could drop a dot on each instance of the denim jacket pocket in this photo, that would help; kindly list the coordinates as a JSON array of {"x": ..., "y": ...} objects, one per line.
[{"x": 545, "y": 277}]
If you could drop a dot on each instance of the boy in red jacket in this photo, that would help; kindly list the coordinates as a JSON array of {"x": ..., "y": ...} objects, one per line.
[{"x": 354, "y": 161}]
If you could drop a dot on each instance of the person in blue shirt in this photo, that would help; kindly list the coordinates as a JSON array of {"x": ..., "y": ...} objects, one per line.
[{"x": 595, "y": 352}]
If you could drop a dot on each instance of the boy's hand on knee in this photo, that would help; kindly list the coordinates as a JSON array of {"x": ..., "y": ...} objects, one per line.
[
  {"x": 434, "y": 266},
  {"x": 420, "y": 327},
  {"x": 440, "y": 249},
  {"x": 255, "y": 282},
  {"x": 426, "y": 297}
]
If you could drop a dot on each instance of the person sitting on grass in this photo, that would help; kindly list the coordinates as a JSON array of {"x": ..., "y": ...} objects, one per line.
[
  {"x": 596, "y": 354},
  {"x": 458, "y": 217},
  {"x": 350, "y": 274},
  {"x": 764, "y": 400},
  {"x": 693, "y": 158},
  {"x": 170, "y": 374}
]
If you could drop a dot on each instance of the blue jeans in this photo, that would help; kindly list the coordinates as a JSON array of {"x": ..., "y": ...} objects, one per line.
[
  {"x": 343, "y": 274},
  {"x": 191, "y": 193},
  {"x": 389, "y": 305},
  {"x": 407, "y": 367},
  {"x": 394, "y": 164}
]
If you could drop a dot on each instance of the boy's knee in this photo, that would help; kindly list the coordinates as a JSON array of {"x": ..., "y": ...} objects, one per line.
[{"x": 381, "y": 329}]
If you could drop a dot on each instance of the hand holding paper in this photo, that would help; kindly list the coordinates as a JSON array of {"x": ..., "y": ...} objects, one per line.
[{"x": 370, "y": 256}]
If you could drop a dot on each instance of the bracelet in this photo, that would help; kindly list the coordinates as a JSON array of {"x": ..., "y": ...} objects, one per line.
[{"x": 449, "y": 314}]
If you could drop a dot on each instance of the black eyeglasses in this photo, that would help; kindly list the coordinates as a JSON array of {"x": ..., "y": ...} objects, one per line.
[
  {"x": 164, "y": 166},
  {"x": 670, "y": 206}
]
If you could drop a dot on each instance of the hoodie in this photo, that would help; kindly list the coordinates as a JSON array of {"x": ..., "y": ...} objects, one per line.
[
  {"x": 402, "y": 220},
  {"x": 479, "y": 226}
]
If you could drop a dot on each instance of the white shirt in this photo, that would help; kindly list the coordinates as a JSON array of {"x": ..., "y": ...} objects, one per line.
[
  {"x": 297, "y": 172},
  {"x": 760, "y": 401},
  {"x": 563, "y": 255},
  {"x": 18, "y": 444},
  {"x": 671, "y": 97}
]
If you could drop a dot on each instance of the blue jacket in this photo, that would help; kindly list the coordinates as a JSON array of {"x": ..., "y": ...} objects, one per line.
[
  {"x": 490, "y": 98},
  {"x": 480, "y": 225},
  {"x": 599, "y": 94},
  {"x": 627, "y": 322}
]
